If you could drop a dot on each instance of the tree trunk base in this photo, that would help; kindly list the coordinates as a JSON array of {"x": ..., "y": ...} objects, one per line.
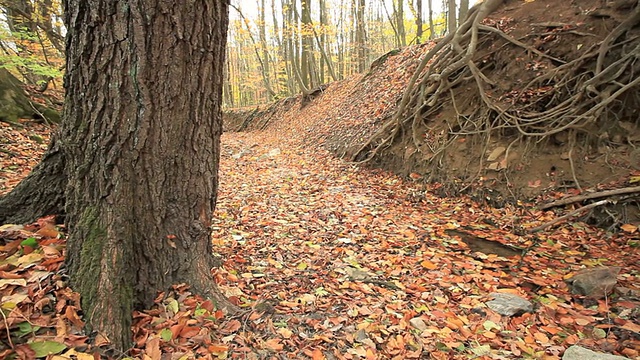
[{"x": 39, "y": 194}]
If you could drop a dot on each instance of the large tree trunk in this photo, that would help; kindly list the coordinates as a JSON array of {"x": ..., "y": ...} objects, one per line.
[{"x": 141, "y": 135}]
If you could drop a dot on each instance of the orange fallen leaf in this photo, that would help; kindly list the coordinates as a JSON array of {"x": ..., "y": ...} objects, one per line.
[
  {"x": 572, "y": 339},
  {"x": 152, "y": 349},
  {"x": 217, "y": 348},
  {"x": 189, "y": 332},
  {"x": 428, "y": 265},
  {"x": 285, "y": 332},
  {"x": 541, "y": 337},
  {"x": 630, "y": 353},
  {"x": 630, "y": 228},
  {"x": 71, "y": 314},
  {"x": 631, "y": 326},
  {"x": 317, "y": 355},
  {"x": 489, "y": 335},
  {"x": 582, "y": 321},
  {"x": 48, "y": 231},
  {"x": 371, "y": 355},
  {"x": 551, "y": 329},
  {"x": 231, "y": 326},
  {"x": 274, "y": 344},
  {"x": 255, "y": 315}
]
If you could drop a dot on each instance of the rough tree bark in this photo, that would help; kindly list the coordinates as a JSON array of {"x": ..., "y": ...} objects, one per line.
[{"x": 139, "y": 144}]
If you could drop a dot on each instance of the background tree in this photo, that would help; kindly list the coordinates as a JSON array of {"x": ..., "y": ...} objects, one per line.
[
  {"x": 307, "y": 69},
  {"x": 361, "y": 36},
  {"x": 432, "y": 32},
  {"x": 139, "y": 145},
  {"x": 399, "y": 20},
  {"x": 418, "y": 16},
  {"x": 463, "y": 10},
  {"x": 452, "y": 22}
]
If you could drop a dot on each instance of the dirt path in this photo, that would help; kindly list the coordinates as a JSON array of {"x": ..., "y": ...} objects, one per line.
[{"x": 357, "y": 262}]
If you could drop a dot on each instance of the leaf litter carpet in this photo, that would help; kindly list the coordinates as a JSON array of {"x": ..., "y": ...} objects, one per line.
[
  {"x": 331, "y": 261},
  {"x": 352, "y": 263}
]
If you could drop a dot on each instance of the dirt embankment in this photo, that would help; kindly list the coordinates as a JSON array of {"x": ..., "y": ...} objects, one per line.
[{"x": 551, "y": 54}]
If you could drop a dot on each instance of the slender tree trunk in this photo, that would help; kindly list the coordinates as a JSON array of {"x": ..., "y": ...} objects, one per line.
[
  {"x": 322, "y": 41},
  {"x": 261, "y": 56},
  {"x": 402, "y": 34},
  {"x": 464, "y": 8},
  {"x": 361, "y": 36},
  {"x": 141, "y": 134},
  {"x": 341, "y": 44},
  {"x": 228, "y": 83},
  {"x": 419, "y": 21},
  {"x": 279, "y": 64},
  {"x": 452, "y": 23},
  {"x": 306, "y": 58},
  {"x": 392, "y": 21},
  {"x": 266, "y": 68},
  {"x": 432, "y": 31}
]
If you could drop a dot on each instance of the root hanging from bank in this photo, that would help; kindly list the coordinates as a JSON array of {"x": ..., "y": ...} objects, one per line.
[{"x": 577, "y": 96}]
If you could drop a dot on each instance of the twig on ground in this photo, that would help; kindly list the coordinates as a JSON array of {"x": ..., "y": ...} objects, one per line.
[
  {"x": 595, "y": 195},
  {"x": 567, "y": 216}
]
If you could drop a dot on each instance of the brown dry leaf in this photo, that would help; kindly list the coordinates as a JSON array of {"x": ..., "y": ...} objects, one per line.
[
  {"x": 152, "y": 348},
  {"x": 48, "y": 231},
  {"x": 274, "y": 344},
  {"x": 189, "y": 331},
  {"x": 630, "y": 228},
  {"x": 71, "y": 314}
]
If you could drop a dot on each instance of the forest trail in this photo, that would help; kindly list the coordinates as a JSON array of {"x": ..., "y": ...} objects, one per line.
[{"x": 359, "y": 263}]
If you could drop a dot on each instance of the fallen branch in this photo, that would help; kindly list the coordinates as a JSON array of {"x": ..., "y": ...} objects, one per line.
[
  {"x": 567, "y": 216},
  {"x": 600, "y": 194}
]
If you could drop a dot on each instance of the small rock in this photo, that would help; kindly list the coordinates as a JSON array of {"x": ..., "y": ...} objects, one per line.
[
  {"x": 274, "y": 152},
  {"x": 241, "y": 154},
  {"x": 594, "y": 283},
  {"x": 576, "y": 352},
  {"x": 360, "y": 336},
  {"x": 418, "y": 323},
  {"x": 356, "y": 274},
  {"x": 509, "y": 304}
]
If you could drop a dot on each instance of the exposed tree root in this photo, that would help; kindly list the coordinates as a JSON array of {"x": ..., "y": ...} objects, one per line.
[{"x": 575, "y": 95}]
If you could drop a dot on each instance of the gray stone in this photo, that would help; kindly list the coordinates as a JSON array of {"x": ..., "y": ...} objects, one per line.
[
  {"x": 596, "y": 283},
  {"x": 509, "y": 304},
  {"x": 576, "y": 352}
]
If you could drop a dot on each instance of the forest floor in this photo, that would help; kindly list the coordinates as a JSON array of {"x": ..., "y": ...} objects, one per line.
[{"x": 333, "y": 261}]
